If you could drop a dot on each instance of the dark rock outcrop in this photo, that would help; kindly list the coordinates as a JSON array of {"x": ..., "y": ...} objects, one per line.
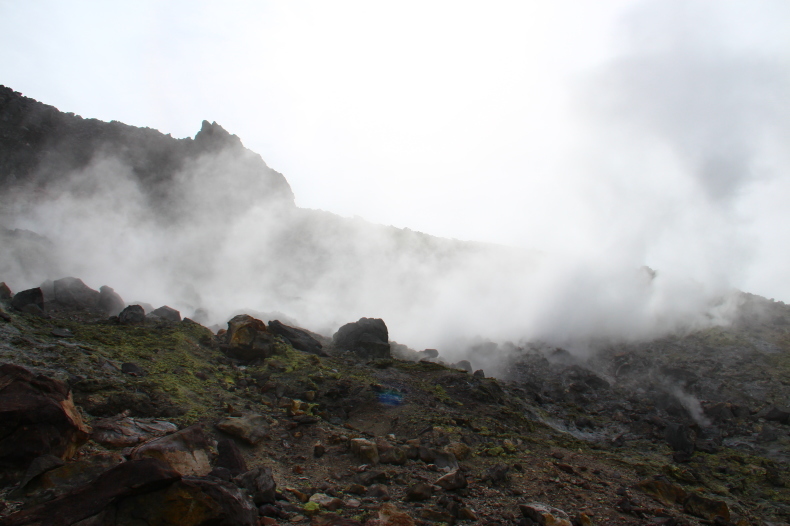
[
  {"x": 37, "y": 417},
  {"x": 28, "y": 297},
  {"x": 368, "y": 338},
  {"x": 73, "y": 293},
  {"x": 300, "y": 339},
  {"x": 38, "y": 144}
]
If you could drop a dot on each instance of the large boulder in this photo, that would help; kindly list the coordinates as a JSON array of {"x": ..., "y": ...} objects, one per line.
[
  {"x": 73, "y": 293},
  {"x": 248, "y": 339},
  {"x": 126, "y": 479},
  {"x": 37, "y": 417},
  {"x": 192, "y": 501},
  {"x": 132, "y": 315},
  {"x": 186, "y": 451},
  {"x": 368, "y": 338},
  {"x": 167, "y": 313},
  {"x": 110, "y": 302},
  {"x": 5, "y": 292},
  {"x": 30, "y": 297},
  {"x": 300, "y": 339}
]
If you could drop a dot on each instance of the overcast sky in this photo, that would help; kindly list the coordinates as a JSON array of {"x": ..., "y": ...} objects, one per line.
[{"x": 654, "y": 131}]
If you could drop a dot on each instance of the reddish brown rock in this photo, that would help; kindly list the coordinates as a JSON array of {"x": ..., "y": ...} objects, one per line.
[
  {"x": 706, "y": 508},
  {"x": 37, "y": 417},
  {"x": 452, "y": 481},
  {"x": 251, "y": 428}
]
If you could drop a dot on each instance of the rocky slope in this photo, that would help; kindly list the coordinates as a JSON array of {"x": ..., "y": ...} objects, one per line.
[{"x": 168, "y": 423}]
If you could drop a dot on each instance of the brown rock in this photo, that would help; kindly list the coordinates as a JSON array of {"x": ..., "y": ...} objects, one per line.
[
  {"x": 318, "y": 450},
  {"x": 419, "y": 492},
  {"x": 466, "y": 514},
  {"x": 452, "y": 481},
  {"x": 37, "y": 417},
  {"x": 251, "y": 428},
  {"x": 365, "y": 450},
  {"x": 706, "y": 508},
  {"x": 326, "y": 502},
  {"x": 378, "y": 491},
  {"x": 185, "y": 451},
  {"x": 66, "y": 477},
  {"x": 248, "y": 339},
  {"x": 389, "y": 515}
]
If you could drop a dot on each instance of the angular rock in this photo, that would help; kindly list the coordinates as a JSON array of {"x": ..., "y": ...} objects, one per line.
[
  {"x": 368, "y": 338},
  {"x": 73, "y": 293},
  {"x": 498, "y": 474},
  {"x": 67, "y": 477},
  {"x": 136, "y": 476},
  {"x": 378, "y": 491},
  {"x": 126, "y": 431},
  {"x": 365, "y": 450},
  {"x": 299, "y": 339},
  {"x": 775, "y": 414},
  {"x": 132, "y": 315},
  {"x": 251, "y": 428},
  {"x": 706, "y": 508},
  {"x": 544, "y": 515},
  {"x": 167, "y": 313},
  {"x": 230, "y": 458},
  {"x": 247, "y": 339},
  {"x": 436, "y": 515},
  {"x": 28, "y": 297},
  {"x": 260, "y": 483},
  {"x": 452, "y": 481},
  {"x": 37, "y": 417},
  {"x": 110, "y": 303},
  {"x": 186, "y": 451}
]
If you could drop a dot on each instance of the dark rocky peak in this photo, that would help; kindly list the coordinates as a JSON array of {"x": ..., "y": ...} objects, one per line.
[
  {"x": 41, "y": 146},
  {"x": 213, "y": 137}
]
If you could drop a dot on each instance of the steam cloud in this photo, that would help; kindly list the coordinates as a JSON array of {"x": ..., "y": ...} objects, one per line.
[{"x": 681, "y": 126}]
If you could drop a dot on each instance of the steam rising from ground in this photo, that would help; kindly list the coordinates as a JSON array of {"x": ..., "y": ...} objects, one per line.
[{"x": 679, "y": 131}]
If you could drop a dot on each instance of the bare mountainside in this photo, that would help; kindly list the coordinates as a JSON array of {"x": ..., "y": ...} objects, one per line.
[{"x": 561, "y": 394}]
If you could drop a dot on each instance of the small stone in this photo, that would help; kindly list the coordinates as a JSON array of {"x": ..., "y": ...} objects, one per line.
[
  {"x": 419, "y": 492},
  {"x": 357, "y": 489},
  {"x": 466, "y": 514},
  {"x": 318, "y": 450},
  {"x": 452, "y": 481},
  {"x": 435, "y": 515},
  {"x": 544, "y": 515},
  {"x": 132, "y": 369},
  {"x": 61, "y": 333},
  {"x": 365, "y": 450},
  {"x": 378, "y": 491}
]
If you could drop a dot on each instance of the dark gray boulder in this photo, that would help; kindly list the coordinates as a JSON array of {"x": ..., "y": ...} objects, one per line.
[
  {"x": 73, "y": 293},
  {"x": 300, "y": 339},
  {"x": 132, "y": 315},
  {"x": 28, "y": 297},
  {"x": 368, "y": 338},
  {"x": 167, "y": 313},
  {"x": 110, "y": 303}
]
